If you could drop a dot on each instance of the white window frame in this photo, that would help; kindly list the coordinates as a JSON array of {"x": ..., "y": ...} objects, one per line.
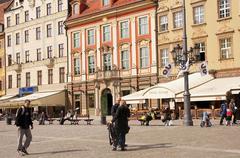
[
  {"x": 76, "y": 9},
  {"x": 76, "y": 40},
  {"x": 76, "y": 65},
  {"x": 91, "y": 37},
  {"x": 163, "y": 23},
  {"x": 164, "y": 54},
  {"x": 224, "y": 8},
  {"x": 225, "y": 48},
  {"x": 17, "y": 38},
  {"x": 198, "y": 14},
  {"x": 49, "y": 52},
  {"x": 106, "y": 36},
  {"x": 178, "y": 19},
  {"x": 49, "y": 8},
  {"x": 125, "y": 59},
  {"x": 143, "y": 28},
  {"x": 38, "y": 33},
  {"x": 124, "y": 29},
  {"x": 107, "y": 64},
  {"x": 144, "y": 58},
  {"x": 91, "y": 64},
  {"x": 60, "y": 28},
  {"x": 49, "y": 30},
  {"x": 105, "y": 2}
]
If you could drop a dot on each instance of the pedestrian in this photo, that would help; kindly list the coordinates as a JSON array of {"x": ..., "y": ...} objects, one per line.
[
  {"x": 23, "y": 121},
  {"x": 42, "y": 118},
  {"x": 115, "y": 107},
  {"x": 234, "y": 109},
  {"x": 121, "y": 125},
  {"x": 223, "y": 112}
]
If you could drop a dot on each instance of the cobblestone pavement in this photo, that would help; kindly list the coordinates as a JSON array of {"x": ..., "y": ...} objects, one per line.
[{"x": 155, "y": 141}]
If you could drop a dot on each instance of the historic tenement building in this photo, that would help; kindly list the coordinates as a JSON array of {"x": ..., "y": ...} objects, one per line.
[
  {"x": 3, "y": 4},
  {"x": 112, "y": 51},
  {"x": 36, "y": 46},
  {"x": 212, "y": 24}
]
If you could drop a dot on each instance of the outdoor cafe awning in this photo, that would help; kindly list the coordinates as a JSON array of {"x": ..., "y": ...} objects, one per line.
[
  {"x": 51, "y": 98},
  {"x": 169, "y": 89},
  {"x": 213, "y": 90}
]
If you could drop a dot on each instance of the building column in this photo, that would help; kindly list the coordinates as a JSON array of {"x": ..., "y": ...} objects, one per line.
[
  {"x": 133, "y": 30},
  {"x": 69, "y": 57},
  {"x": 97, "y": 102},
  {"x": 83, "y": 56},
  {"x": 153, "y": 34},
  {"x": 115, "y": 46},
  {"x": 98, "y": 35}
]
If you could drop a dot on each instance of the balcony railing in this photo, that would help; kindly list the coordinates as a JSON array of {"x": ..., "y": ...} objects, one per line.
[
  {"x": 15, "y": 67},
  {"x": 49, "y": 62},
  {"x": 107, "y": 74}
]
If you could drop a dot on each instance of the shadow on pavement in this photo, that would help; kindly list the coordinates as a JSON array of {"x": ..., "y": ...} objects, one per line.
[
  {"x": 57, "y": 152},
  {"x": 149, "y": 146}
]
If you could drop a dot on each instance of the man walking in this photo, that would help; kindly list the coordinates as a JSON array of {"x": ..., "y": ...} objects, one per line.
[
  {"x": 223, "y": 112},
  {"x": 121, "y": 125},
  {"x": 115, "y": 107},
  {"x": 23, "y": 121}
]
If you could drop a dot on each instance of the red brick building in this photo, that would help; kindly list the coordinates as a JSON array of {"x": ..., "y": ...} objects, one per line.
[{"x": 112, "y": 51}]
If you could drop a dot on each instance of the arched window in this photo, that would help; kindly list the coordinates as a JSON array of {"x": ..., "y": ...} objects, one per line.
[{"x": 75, "y": 8}]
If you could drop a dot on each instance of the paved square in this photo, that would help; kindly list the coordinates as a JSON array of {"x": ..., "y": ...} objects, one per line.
[{"x": 155, "y": 141}]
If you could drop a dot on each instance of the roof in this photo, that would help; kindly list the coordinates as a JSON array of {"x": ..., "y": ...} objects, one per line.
[
  {"x": 3, "y": 5},
  {"x": 94, "y": 6}
]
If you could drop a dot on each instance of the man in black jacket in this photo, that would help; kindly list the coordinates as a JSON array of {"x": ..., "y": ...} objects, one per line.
[
  {"x": 23, "y": 121},
  {"x": 121, "y": 125},
  {"x": 115, "y": 107}
]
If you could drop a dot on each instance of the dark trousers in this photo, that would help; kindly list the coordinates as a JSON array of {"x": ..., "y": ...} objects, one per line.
[
  {"x": 234, "y": 117},
  {"x": 121, "y": 139},
  {"x": 222, "y": 117}
]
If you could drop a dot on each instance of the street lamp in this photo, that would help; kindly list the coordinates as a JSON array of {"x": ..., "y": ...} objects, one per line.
[{"x": 181, "y": 56}]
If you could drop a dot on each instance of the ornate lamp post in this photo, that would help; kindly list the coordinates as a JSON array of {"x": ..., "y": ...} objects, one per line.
[{"x": 180, "y": 56}]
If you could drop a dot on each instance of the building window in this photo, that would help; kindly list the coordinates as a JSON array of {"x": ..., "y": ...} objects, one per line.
[
  {"x": 61, "y": 75},
  {"x": 49, "y": 52},
  {"x": 18, "y": 80},
  {"x": 60, "y": 27},
  {"x": 9, "y": 60},
  {"x": 49, "y": 8},
  {"x": 202, "y": 49},
  {"x": 9, "y": 41},
  {"x": 107, "y": 57},
  {"x": 39, "y": 54},
  {"x": 76, "y": 66},
  {"x": 164, "y": 57},
  {"x": 1, "y": 85},
  {"x": 125, "y": 59},
  {"x": 91, "y": 64},
  {"x": 60, "y": 50},
  {"x": 198, "y": 14},
  {"x": 163, "y": 23},
  {"x": 106, "y": 33},
  {"x": 38, "y": 12},
  {"x": 18, "y": 58},
  {"x": 38, "y": 33},
  {"x": 50, "y": 76},
  {"x": 143, "y": 25},
  {"x": 105, "y": 2},
  {"x": 75, "y": 8},
  {"x": 224, "y": 8},
  {"x": 28, "y": 79},
  {"x": 49, "y": 30},
  {"x": 39, "y": 77},
  {"x": 1, "y": 63},
  {"x": 27, "y": 56},
  {"x": 26, "y": 15},
  {"x": 76, "y": 40},
  {"x": 9, "y": 81},
  {"x": 17, "y": 19},
  {"x": 8, "y": 21},
  {"x": 144, "y": 57},
  {"x": 124, "y": 28},
  {"x": 90, "y": 37},
  {"x": 26, "y": 35},
  {"x": 60, "y": 5},
  {"x": 178, "y": 19},
  {"x": 225, "y": 48},
  {"x": 17, "y": 38}
]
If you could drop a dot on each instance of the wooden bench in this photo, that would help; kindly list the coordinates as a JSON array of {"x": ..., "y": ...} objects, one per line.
[
  {"x": 88, "y": 120},
  {"x": 74, "y": 121}
]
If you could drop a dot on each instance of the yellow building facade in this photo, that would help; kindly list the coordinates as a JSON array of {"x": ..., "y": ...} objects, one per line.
[
  {"x": 2, "y": 67},
  {"x": 212, "y": 24}
]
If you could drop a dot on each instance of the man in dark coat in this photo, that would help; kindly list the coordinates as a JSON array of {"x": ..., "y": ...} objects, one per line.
[
  {"x": 223, "y": 111},
  {"x": 23, "y": 121},
  {"x": 115, "y": 107},
  {"x": 121, "y": 125}
]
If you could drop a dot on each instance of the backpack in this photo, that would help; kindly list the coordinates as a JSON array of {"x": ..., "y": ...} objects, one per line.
[{"x": 18, "y": 115}]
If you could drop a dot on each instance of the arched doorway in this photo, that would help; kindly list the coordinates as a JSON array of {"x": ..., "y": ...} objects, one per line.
[{"x": 106, "y": 102}]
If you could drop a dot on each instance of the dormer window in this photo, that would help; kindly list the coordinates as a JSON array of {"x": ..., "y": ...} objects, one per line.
[
  {"x": 105, "y": 2},
  {"x": 75, "y": 8}
]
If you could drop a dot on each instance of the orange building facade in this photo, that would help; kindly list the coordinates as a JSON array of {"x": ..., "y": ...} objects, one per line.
[{"x": 112, "y": 51}]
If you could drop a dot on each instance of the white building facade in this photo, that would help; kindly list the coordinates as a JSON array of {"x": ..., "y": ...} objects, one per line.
[{"x": 36, "y": 45}]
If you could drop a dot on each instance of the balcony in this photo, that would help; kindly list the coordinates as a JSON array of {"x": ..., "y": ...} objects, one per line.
[
  {"x": 108, "y": 74},
  {"x": 49, "y": 62},
  {"x": 15, "y": 67}
]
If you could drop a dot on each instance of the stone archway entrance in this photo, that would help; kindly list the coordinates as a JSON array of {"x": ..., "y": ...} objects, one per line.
[{"x": 106, "y": 102}]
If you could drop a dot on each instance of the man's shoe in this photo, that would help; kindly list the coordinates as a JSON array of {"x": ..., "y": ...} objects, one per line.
[
  {"x": 114, "y": 148},
  {"x": 25, "y": 151},
  {"x": 123, "y": 149}
]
